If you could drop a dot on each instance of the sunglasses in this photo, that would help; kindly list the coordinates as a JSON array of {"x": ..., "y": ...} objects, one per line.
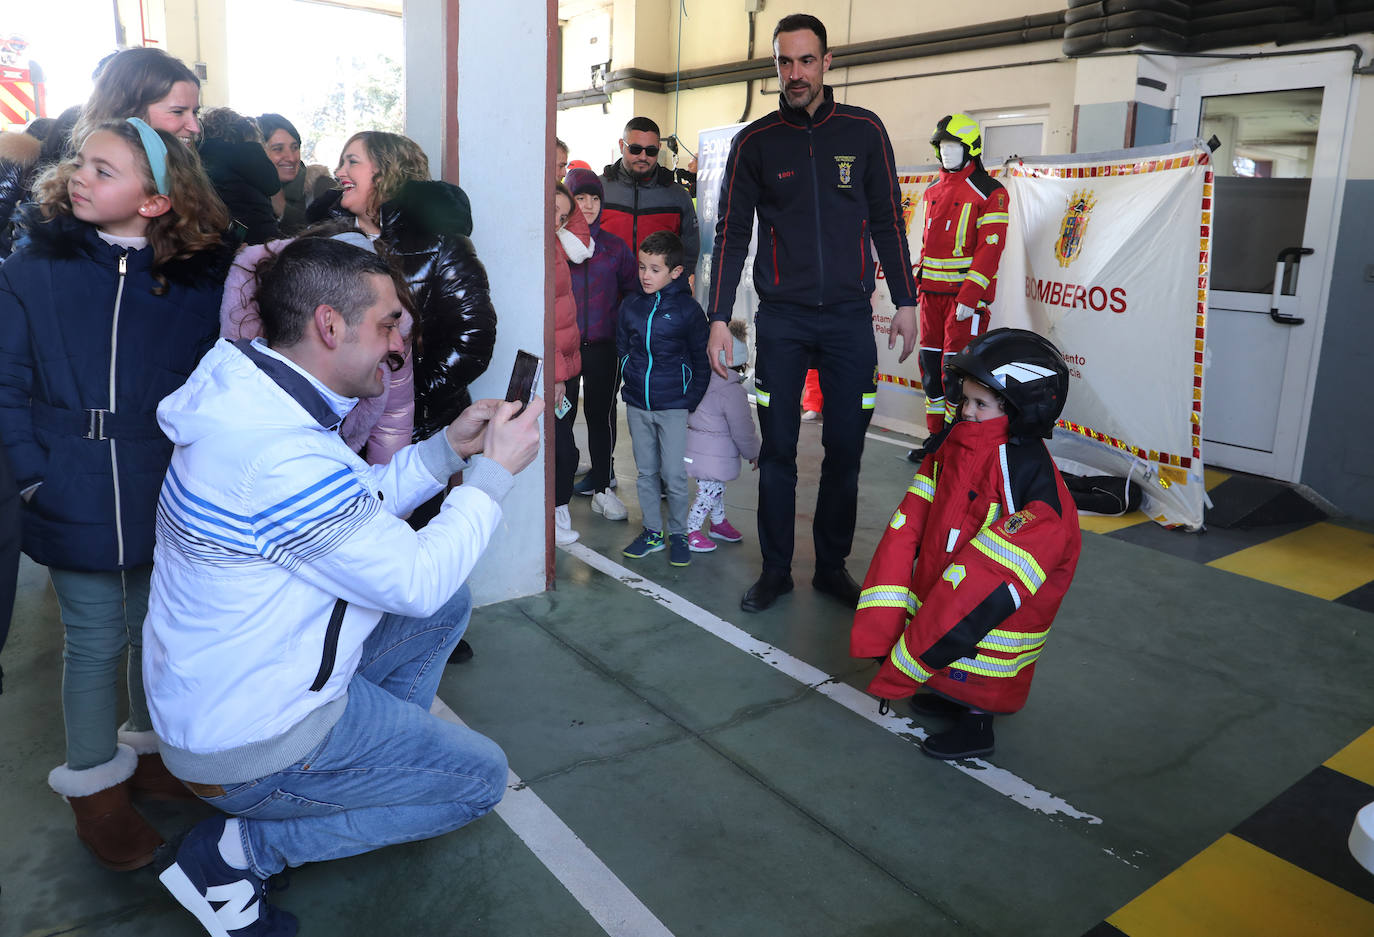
[{"x": 635, "y": 149}]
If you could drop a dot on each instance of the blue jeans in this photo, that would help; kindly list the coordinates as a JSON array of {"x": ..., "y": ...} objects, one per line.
[
  {"x": 388, "y": 772},
  {"x": 102, "y": 617}
]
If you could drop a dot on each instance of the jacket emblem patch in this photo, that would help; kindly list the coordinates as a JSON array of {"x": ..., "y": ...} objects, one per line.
[
  {"x": 1017, "y": 521},
  {"x": 954, "y": 575},
  {"x": 993, "y": 239},
  {"x": 845, "y": 164},
  {"x": 898, "y": 521}
]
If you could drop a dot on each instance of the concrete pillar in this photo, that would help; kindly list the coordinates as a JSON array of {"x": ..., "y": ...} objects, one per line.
[{"x": 497, "y": 143}]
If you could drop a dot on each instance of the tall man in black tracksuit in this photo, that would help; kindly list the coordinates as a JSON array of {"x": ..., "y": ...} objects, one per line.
[{"x": 822, "y": 179}]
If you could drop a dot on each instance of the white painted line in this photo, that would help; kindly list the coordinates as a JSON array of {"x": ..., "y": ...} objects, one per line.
[
  {"x": 586, "y": 877},
  {"x": 856, "y": 701}
]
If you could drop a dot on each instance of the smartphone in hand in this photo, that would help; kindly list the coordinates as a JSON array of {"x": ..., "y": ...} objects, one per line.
[{"x": 524, "y": 378}]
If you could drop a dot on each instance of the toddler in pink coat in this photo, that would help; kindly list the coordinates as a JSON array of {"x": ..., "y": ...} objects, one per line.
[{"x": 719, "y": 432}]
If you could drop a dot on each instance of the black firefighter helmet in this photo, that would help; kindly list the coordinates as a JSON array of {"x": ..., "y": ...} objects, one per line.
[{"x": 1023, "y": 369}]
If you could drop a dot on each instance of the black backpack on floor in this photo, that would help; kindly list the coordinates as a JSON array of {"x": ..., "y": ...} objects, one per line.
[{"x": 1103, "y": 494}]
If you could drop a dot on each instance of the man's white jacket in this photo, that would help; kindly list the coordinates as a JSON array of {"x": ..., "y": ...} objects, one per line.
[{"x": 267, "y": 524}]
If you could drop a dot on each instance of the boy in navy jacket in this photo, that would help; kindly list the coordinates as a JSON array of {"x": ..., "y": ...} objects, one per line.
[{"x": 661, "y": 338}]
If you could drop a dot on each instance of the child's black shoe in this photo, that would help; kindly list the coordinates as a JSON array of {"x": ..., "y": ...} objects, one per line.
[{"x": 969, "y": 739}]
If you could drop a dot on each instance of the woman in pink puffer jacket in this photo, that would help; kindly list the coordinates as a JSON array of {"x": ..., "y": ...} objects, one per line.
[{"x": 720, "y": 431}]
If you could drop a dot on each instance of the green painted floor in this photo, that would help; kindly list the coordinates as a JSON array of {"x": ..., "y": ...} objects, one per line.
[{"x": 1174, "y": 701}]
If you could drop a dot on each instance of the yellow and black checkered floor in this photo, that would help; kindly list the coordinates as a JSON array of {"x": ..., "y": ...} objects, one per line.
[{"x": 1287, "y": 870}]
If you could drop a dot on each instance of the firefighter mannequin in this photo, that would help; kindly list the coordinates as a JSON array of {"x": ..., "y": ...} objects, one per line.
[
  {"x": 965, "y": 231},
  {"x": 972, "y": 567}
]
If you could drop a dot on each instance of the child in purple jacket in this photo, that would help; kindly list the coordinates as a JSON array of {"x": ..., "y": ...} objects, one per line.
[
  {"x": 599, "y": 283},
  {"x": 719, "y": 431}
]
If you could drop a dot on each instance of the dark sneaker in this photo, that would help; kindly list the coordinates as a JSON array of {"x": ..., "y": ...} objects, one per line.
[
  {"x": 649, "y": 541},
  {"x": 228, "y": 902},
  {"x": 970, "y": 737},
  {"x": 679, "y": 551}
]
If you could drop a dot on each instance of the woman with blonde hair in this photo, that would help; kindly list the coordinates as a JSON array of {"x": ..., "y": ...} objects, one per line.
[{"x": 423, "y": 226}]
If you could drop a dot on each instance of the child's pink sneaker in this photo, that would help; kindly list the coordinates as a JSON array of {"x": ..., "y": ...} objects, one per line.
[
  {"x": 698, "y": 542},
  {"x": 726, "y": 531}
]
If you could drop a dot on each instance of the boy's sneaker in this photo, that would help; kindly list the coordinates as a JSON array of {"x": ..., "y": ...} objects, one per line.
[
  {"x": 726, "y": 531},
  {"x": 679, "y": 552},
  {"x": 698, "y": 542},
  {"x": 228, "y": 902},
  {"x": 563, "y": 533},
  {"x": 650, "y": 541},
  {"x": 609, "y": 506}
]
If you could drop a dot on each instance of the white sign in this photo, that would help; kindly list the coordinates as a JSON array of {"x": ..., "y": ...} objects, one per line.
[{"x": 1108, "y": 256}]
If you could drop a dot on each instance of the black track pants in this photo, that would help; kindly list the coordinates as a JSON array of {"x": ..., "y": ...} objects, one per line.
[{"x": 838, "y": 342}]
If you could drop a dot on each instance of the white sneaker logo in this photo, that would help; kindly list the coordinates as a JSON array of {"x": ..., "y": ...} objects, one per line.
[{"x": 239, "y": 906}]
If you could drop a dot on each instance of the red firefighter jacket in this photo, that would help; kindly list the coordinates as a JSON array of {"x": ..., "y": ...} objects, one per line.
[
  {"x": 965, "y": 232},
  {"x": 970, "y": 572}
]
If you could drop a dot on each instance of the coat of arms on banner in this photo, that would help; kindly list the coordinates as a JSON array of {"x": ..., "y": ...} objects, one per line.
[
  {"x": 846, "y": 166},
  {"x": 1072, "y": 228}
]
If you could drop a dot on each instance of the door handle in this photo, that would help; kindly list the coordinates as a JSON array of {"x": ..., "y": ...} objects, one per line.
[{"x": 1289, "y": 255}]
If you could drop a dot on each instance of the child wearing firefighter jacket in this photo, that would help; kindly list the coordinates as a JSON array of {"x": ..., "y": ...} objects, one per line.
[{"x": 973, "y": 565}]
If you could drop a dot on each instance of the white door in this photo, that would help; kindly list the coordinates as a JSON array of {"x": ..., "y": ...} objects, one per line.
[{"x": 1282, "y": 126}]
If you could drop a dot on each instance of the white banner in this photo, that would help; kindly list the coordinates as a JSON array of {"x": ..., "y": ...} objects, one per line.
[{"x": 1108, "y": 255}]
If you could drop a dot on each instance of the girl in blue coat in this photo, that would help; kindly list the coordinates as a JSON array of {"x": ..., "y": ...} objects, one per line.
[{"x": 106, "y": 306}]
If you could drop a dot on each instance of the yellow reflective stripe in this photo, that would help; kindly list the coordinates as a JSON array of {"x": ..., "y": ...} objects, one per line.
[
  {"x": 994, "y": 217},
  {"x": 887, "y": 597},
  {"x": 947, "y": 263},
  {"x": 945, "y": 276},
  {"x": 935, "y": 405},
  {"x": 994, "y": 512},
  {"x": 898, "y": 520},
  {"x": 903, "y": 660},
  {"x": 870, "y": 401},
  {"x": 978, "y": 278},
  {"x": 761, "y": 396},
  {"x": 963, "y": 223},
  {"x": 1010, "y": 642},
  {"x": 1021, "y": 563},
  {"x": 923, "y": 486},
  {"x": 986, "y": 666}
]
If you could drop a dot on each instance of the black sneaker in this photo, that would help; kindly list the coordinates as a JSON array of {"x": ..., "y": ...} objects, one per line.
[
  {"x": 228, "y": 902},
  {"x": 679, "y": 550},
  {"x": 971, "y": 737}
]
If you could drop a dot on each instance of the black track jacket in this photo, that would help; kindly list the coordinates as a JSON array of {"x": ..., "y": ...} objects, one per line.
[{"x": 823, "y": 187}]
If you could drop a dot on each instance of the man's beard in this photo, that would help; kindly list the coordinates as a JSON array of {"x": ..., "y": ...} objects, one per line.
[{"x": 809, "y": 91}]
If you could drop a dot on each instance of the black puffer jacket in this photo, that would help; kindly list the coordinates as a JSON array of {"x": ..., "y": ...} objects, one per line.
[
  {"x": 18, "y": 162},
  {"x": 425, "y": 230},
  {"x": 245, "y": 180}
]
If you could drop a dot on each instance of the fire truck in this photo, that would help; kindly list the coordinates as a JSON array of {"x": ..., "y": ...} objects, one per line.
[{"x": 21, "y": 85}]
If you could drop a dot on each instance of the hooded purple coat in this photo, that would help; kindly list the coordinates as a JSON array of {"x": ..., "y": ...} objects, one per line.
[{"x": 601, "y": 282}]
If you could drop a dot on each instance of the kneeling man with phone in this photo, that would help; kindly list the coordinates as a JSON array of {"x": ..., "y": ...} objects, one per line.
[{"x": 297, "y": 626}]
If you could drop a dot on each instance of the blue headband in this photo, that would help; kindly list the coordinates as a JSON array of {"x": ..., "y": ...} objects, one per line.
[{"x": 157, "y": 153}]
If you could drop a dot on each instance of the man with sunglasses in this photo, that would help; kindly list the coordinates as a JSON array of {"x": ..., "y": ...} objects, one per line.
[
  {"x": 821, "y": 178},
  {"x": 643, "y": 197}
]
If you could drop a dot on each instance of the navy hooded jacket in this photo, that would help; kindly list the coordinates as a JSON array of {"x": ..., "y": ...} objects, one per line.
[
  {"x": 662, "y": 342},
  {"x": 86, "y": 353}
]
